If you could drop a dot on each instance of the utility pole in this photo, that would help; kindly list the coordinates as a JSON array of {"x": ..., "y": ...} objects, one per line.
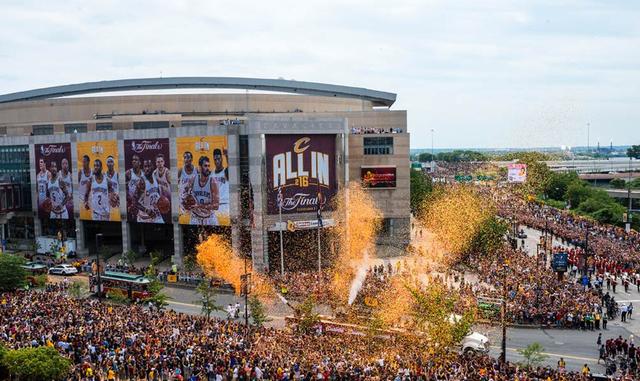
[
  {"x": 503, "y": 317},
  {"x": 98, "y": 269}
]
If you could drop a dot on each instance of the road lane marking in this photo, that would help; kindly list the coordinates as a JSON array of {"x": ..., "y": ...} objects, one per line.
[{"x": 553, "y": 354}]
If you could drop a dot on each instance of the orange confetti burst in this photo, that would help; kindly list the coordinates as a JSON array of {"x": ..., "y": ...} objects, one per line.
[
  {"x": 454, "y": 215},
  {"x": 218, "y": 259},
  {"x": 358, "y": 221}
]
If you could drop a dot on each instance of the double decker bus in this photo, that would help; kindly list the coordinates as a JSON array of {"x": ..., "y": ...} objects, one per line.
[{"x": 133, "y": 286}]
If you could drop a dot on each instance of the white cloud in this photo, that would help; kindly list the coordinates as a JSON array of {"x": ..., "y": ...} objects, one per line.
[{"x": 493, "y": 73}]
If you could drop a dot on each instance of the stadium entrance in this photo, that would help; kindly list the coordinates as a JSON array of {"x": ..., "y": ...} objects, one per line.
[
  {"x": 301, "y": 249},
  {"x": 111, "y": 236},
  {"x": 147, "y": 238}
]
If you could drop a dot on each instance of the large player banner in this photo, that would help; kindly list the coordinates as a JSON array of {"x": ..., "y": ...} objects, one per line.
[
  {"x": 148, "y": 180},
  {"x": 303, "y": 168},
  {"x": 98, "y": 181},
  {"x": 203, "y": 180},
  {"x": 54, "y": 181}
]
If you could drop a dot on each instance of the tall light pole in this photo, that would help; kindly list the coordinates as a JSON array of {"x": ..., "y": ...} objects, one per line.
[
  {"x": 627, "y": 225},
  {"x": 503, "y": 315},
  {"x": 588, "y": 132}
]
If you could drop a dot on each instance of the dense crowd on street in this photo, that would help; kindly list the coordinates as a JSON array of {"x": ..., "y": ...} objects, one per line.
[
  {"x": 613, "y": 250},
  {"x": 109, "y": 342}
]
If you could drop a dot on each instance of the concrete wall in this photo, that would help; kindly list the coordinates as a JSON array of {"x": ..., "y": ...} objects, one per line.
[{"x": 85, "y": 109}]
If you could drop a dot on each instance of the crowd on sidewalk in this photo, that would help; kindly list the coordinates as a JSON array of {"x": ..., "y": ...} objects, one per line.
[{"x": 109, "y": 342}]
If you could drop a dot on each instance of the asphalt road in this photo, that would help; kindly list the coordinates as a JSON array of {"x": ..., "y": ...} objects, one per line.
[{"x": 575, "y": 346}]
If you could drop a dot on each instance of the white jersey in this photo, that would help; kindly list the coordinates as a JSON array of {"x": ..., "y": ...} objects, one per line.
[
  {"x": 163, "y": 180},
  {"x": 83, "y": 184},
  {"x": 99, "y": 199},
  {"x": 42, "y": 179},
  {"x": 113, "y": 179},
  {"x": 184, "y": 183},
  {"x": 58, "y": 209},
  {"x": 150, "y": 200},
  {"x": 66, "y": 179},
  {"x": 133, "y": 183},
  {"x": 223, "y": 186},
  {"x": 203, "y": 196}
]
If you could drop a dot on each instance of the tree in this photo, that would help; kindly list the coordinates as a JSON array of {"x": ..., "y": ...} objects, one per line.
[
  {"x": 307, "y": 317},
  {"x": 433, "y": 312},
  {"x": 617, "y": 183},
  {"x": 634, "y": 152},
  {"x": 77, "y": 289},
  {"x": 3, "y": 352},
  {"x": 258, "y": 313},
  {"x": 158, "y": 298},
  {"x": 489, "y": 237},
  {"x": 35, "y": 364},
  {"x": 207, "y": 298},
  {"x": 577, "y": 192},
  {"x": 425, "y": 157},
  {"x": 12, "y": 274},
  {"x": 533, "y": 354},
  {"x": 420, "y": 187},
  {"x": 558, "y": 183}
]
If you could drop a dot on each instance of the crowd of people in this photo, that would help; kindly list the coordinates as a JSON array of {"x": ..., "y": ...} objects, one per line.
[{"x": 109, "y": 342}]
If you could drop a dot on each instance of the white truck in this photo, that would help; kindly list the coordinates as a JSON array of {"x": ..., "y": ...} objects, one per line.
[{"x": 475, "y": 343}]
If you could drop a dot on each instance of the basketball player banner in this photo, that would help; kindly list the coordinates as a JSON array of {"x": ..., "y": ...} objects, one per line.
[
  {"x": 97, "y": 193},
  {"x": 54, "y": 181},
  {"x": 148, "y": 180},
  {"x": 304, "y": 166},
  {"x": 203, "y": 180}
]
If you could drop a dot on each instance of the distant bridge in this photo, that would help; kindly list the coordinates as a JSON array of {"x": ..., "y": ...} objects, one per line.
[{"x": 623, "y": 193}]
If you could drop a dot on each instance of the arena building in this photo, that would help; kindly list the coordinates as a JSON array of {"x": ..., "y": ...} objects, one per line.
[{"x": 155, "y": 172}]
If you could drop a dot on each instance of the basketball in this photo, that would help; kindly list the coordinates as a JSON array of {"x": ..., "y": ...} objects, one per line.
[
  {"x": 189, "y": 201},
  {"x": 114, "y": 200},
  {"x": 164, "y": 205},
  {"x": 47, "y": 205}
]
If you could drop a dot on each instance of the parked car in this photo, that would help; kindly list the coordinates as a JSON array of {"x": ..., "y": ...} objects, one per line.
[{"x": 63, "y": 270}]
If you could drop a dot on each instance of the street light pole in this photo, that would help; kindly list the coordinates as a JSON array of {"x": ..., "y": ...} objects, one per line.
[
  {"x": 503, "y": 317},
  {"x": 99, "y": 278},
  {"x": 627, "y": 226}
]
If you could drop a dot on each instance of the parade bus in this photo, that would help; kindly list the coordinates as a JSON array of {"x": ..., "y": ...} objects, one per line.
[{"x": 132, "y": 286}]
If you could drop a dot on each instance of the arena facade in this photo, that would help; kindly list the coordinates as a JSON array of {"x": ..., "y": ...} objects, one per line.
[{"x": 157, "y": 172}]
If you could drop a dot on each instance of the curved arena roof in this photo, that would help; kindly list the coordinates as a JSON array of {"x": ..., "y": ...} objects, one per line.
[{"x": 377, "y": 98}]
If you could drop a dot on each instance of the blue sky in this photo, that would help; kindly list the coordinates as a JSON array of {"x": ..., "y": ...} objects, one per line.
[{"x": 480, "y": 73}]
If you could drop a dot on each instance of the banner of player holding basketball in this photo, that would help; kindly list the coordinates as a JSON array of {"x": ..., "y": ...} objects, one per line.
[
  {"x": 53, "y": 179},
  {"x": 98, "y": 181},
  {"x": 203, "y": 180},
  {"x": 148, "y": 180}
]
